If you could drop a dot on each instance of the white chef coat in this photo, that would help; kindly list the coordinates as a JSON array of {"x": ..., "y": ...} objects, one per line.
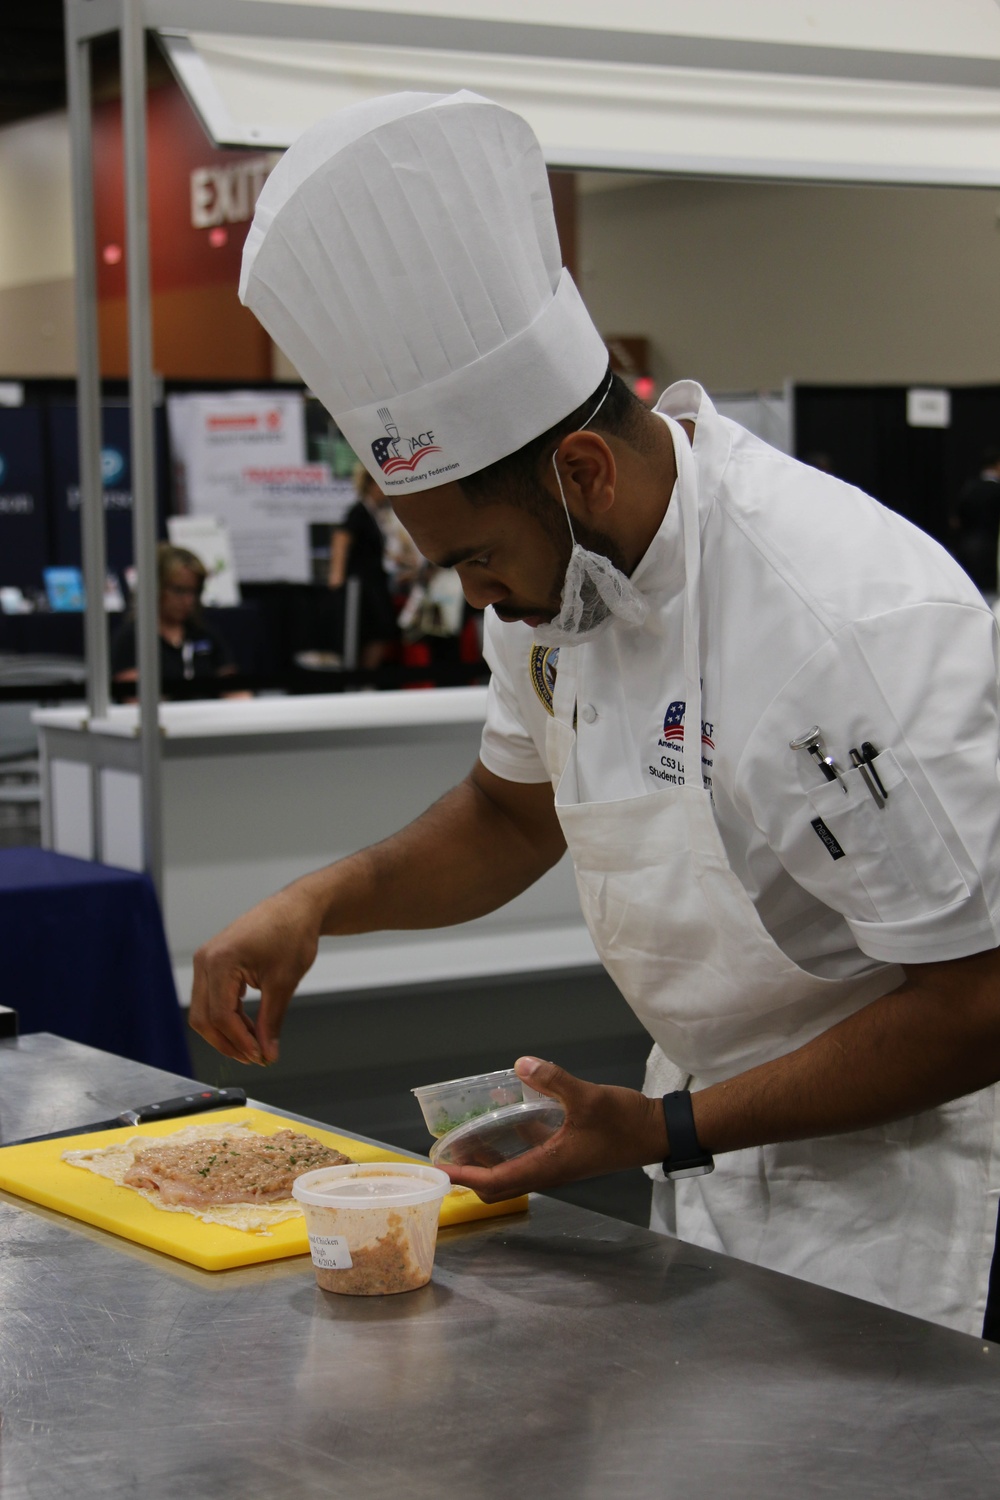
[{"x": 818, "y": 606}]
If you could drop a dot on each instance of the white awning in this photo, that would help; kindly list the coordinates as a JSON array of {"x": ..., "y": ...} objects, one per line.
[{"x": 776, "y": 89}]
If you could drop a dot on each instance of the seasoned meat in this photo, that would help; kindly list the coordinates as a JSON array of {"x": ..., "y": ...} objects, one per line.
[{"x": 229, "y": 1169}]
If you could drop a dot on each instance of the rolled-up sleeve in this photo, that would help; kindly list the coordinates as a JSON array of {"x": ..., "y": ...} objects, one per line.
[{"x": 514, "y": 733}]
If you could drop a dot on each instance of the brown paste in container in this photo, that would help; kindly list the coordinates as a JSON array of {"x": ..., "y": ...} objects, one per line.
[{"x": 378, "y": 1269}]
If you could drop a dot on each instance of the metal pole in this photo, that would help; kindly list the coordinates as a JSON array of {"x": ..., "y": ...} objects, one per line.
[
  {"x": 352, "y": 618},
  {"x": 88, "y": 393},
  {"x": 141, "y": 397}
]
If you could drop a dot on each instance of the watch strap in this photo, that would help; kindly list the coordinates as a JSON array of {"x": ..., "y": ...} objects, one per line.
[{"x": 687, "y": 1157}]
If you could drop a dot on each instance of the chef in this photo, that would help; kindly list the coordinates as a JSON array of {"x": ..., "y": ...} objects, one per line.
[{"x": 759, "y": 710}]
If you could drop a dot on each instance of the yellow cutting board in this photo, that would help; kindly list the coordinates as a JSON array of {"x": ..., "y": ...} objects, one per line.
[{"x": 36, "y": 1171}]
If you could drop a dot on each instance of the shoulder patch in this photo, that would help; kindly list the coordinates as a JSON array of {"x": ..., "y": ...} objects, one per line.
[{"x": 543, "y": 663}]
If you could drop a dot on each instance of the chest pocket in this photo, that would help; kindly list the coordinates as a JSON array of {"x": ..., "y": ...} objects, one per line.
[{"x": 900, "y": 858}]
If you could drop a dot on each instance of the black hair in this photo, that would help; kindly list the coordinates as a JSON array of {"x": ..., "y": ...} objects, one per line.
[{"x": 517, "y": 478}]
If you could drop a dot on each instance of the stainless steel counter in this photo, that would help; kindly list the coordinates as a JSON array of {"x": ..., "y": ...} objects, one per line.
[{"x": 558, "y": 1353}]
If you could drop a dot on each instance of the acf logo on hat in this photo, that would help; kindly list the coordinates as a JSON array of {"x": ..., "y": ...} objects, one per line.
[{"x": 387, "y": 450}]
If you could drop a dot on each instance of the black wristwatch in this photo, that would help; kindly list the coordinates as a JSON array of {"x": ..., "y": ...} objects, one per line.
[{"x": 687, "y": 1158}]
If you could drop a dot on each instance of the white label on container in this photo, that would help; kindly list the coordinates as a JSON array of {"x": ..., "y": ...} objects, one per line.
[{"x": 330, "y": 1252}]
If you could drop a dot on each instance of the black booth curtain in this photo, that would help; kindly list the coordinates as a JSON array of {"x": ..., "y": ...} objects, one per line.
[
  {"x": 40, "y": 487},
  {"x": 862, "y": 435}
]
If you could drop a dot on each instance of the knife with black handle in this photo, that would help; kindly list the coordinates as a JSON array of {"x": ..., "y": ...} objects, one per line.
[{"x": 165, "y": 1109}]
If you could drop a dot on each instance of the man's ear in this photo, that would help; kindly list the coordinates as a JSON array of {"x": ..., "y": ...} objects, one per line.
[{"x": 588, "y": 473}]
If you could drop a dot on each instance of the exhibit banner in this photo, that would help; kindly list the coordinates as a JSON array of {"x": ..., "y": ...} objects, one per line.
[
  {"x": 240, "y": 459},
  {"x": 23, "y": 517},
  {"x": 116, "y": 475},
  {"x": 214, "y": 436}
]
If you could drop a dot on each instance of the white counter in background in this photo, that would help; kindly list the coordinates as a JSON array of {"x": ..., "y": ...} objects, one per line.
[{"x": 257, "y": 792}]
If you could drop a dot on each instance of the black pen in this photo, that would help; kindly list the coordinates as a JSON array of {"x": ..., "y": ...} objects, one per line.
[
  {"x": 869, "y": 753},
  {"x": 829, "y": 770}
]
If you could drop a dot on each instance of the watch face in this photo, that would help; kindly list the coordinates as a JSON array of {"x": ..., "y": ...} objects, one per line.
[{"x": 697, "y": 1169}]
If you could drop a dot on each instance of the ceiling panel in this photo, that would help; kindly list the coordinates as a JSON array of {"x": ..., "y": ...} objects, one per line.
[{"x": 619, "y": 115}]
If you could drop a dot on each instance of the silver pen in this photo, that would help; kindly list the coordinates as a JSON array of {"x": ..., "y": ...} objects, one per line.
[{"x": 870, "y": 777}]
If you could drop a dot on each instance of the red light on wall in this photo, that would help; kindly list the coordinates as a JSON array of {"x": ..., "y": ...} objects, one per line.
[
  {"x": 111, "y": 255},
  {"x": 218, "y": 237}
]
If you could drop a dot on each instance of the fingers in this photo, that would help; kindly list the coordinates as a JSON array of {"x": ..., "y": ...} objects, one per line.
[
  {"x": 531, "y": 1173},
  {"x": 217, "y": 1009},
  {"x": 269, "y": 948},
  {"x": 546, "y": 1165},
  {"x": 235, "y": 1039},
  {"x": 551, "y": 1080},
  {"x": 274, "y": 1001},
  {"x": 238, "y": 1050},
  {"x": 607, "y": 1128}
]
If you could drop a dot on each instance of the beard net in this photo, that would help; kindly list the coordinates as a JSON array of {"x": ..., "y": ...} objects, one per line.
[{"x": 594, "y": 594}]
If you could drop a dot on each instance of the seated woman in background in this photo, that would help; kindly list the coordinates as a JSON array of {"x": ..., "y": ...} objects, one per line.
[{"x": 189, "y": 648}]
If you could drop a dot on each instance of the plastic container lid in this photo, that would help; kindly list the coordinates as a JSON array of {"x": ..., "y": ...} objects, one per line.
[
  {"x": 371, "y": 1185},
  {"x": 499, "y": 1136}
]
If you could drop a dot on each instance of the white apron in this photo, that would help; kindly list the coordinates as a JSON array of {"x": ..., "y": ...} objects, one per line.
[{"x": 904, "y": 1214}]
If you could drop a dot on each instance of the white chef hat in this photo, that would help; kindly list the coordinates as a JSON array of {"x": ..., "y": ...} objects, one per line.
[{"x": 404, "y": 256}]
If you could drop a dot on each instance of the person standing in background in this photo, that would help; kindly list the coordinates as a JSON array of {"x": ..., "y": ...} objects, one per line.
[
  {"x": 357, "y": 550},
  {"x": 976, "y": 520}
]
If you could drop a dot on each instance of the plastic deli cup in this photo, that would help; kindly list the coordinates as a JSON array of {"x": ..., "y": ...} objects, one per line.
[
  {"x": 372, "y": 1225},
  {"x": 487, "y": 1140},
  {"x": 446, "y": 1106}
]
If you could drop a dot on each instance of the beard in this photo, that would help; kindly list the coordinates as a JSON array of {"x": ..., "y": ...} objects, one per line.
[
  {"x": 549, "y": 513},
  {"x": 551, "y": 516}
]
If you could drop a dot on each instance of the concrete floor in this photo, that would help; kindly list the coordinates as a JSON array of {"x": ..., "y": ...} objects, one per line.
[{"x": 352, "y": 1061}]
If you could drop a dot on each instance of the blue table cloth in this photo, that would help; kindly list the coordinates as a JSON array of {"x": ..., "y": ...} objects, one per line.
[{"x": 83, "y": 954}]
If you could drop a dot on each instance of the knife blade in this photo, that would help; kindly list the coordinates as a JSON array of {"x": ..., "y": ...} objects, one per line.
[{"x": 164, "y": 1109}]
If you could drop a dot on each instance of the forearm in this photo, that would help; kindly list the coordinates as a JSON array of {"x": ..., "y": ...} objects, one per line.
[
  {"x": 480, "y": 845},
  {"x": 462, "y": 858},
  {"x": 934, "y": 1038}
]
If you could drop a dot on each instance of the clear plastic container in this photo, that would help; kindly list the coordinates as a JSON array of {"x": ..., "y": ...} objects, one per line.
[
  {"x": 372, "y": 1225},
  {"x": 446, "y": 1106},
  {"x": 499, "y": 1136}
]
